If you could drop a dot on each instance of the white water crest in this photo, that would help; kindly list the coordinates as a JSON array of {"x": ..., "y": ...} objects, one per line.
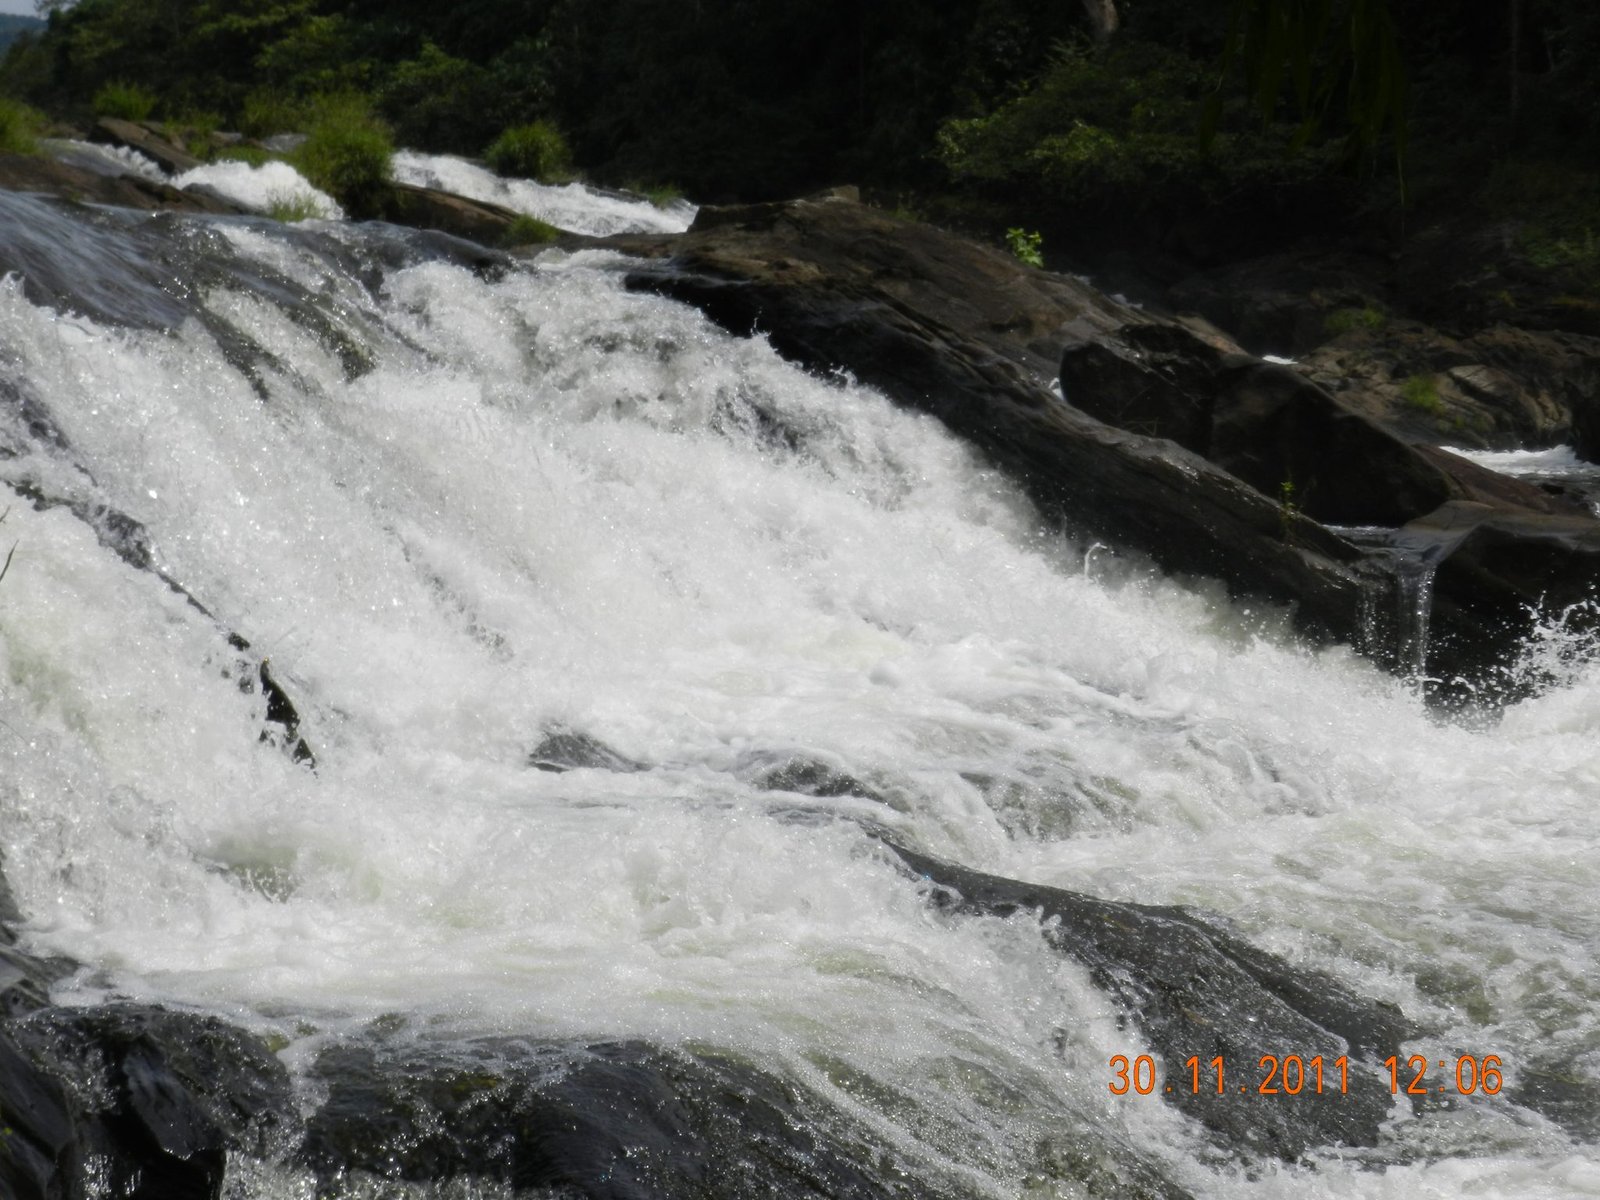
[
  {"x": 105, "y": 160},
  {"x": 263, "y": 188},
  {"x": 549, "y": 502},
  {"x": 572, "y": 206}
]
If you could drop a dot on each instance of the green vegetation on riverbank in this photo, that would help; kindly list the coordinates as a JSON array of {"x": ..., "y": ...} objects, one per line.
[{"x": 996, "y": 113}]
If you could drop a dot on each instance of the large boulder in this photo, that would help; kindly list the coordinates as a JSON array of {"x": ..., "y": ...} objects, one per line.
[
  {"x": 149, "y": 140},
  {"x": 446, "y": 212},
  {"x": 134, "y": 1102},
  {"x": 1165, "y": 437},
  {"x": 966, "y": 333}
]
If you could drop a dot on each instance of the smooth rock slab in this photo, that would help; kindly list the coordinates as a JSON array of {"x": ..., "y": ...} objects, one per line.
[{"x": 619, "y": 1121}]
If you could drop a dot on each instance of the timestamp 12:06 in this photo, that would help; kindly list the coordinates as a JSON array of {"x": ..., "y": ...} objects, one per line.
[{"x": 1294, "y": 1075}]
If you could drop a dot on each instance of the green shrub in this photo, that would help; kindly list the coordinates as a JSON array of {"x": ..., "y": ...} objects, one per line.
[
  {"x": 347, "y": 153},
  {"x": 256, "y": 156},
  {"x": 125, "y": 101},
  {"x": 19, "y": 128},
  {"x": 265, "y": 113},
  {"x": 536, "y": 151},
  {"x": 1025, "y": 246},
  {"x": 1346, "y": 320},
  {"x": 1422, "y": 394},
  {"x": 1116, "y": 129},
  {"x": 438, "y": 102},
  {"x": 529, "y": 231}
]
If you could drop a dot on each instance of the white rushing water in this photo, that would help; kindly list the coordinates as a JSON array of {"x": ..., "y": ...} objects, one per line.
[
  {"x": 571, "y": 206},
  {"x": 554, "y": 503},
  {"x": 264, "y": 188}
]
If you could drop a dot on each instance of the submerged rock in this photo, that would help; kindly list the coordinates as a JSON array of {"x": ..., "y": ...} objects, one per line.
[
  {"x": 1197, "y": 992},
  {"x": 625, "y": 1121},
  {"x": 565, "y": 749}
]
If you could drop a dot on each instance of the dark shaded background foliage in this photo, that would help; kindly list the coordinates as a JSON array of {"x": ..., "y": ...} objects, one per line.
[{"x": 1007, "y": 106}]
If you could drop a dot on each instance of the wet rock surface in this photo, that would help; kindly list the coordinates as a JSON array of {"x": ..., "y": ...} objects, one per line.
[
  {"x": 132, "y": 1102},
  {"x": 965, "y": 333},
  {"x": 563, "y": 749},
  {"x": 1171, "y": 440},
  {"x": 31, "y": 173},
  {"x": 612, "y": 1121},
  {"x": 148, "y": 140},
  {"x": 1194, "y": 991}
]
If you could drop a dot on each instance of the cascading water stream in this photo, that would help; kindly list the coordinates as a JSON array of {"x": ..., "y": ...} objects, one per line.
[
  {"x": 1414, "y": 592},
  {"x": 463, "y": 509}
]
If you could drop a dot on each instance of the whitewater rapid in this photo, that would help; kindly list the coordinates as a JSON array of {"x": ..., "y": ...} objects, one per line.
[{"x": 541, "y": 502}]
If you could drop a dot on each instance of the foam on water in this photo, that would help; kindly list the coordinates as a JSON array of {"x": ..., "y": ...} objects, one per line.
[
  {"x": 569, "y": 206},
  {"x": 552, "y": 502},
  {"x": 262, "y": 188}
]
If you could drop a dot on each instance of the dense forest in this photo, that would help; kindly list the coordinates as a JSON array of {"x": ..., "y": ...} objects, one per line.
[
  {"x": 1133, "y": 114},
  {"x": 12, "y": 28}
]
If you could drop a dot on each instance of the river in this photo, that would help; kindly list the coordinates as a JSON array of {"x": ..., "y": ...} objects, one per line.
[{"x": 461, "y": 511}]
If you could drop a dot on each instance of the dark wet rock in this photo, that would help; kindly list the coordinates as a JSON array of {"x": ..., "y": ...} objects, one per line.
[
  {"x": 148, "y": 140},
  {"x": 1557, "y": 1091},
  {"x": 807, "y": 776},
  {"x": 1172, "y": 442},
  {"x": 1500, "y": 387},
  {"x": 30, "y": 173},
  {"x": 1284, "y": 303},
  {"x": 1194, "y": 990},
  {"x": 1586, "y": 427},
  {"x": 624, "y": 1121},
  {"x": 25, "y": 979},
  {"x": 282, "y": 713},
  {"x": 133, "y": 1102},
  {"x": 565, "y": 749},
  {"x": 38, "y": 1153},
  {"x": 1508, "y": 569},
  {"x": 1262, "y": 422},
  {"x": 446, "y": 212},
  {"x": 966, "y": 333}
]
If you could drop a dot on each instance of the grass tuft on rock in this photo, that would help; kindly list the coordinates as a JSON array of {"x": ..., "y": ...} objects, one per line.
[
  {"x": 534, "y": 151},
  {"x": 530, "y": 231},
  {"x": 347, "y": 153}
]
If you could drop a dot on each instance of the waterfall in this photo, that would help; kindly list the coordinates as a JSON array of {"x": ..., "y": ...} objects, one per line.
[{"x": 464, "y": 506}]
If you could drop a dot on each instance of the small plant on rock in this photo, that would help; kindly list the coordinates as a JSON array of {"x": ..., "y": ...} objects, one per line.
[
  {"x": 1026, "y": 246},
  {"x": 530, "y": 231},
  {"x": 291, "y": 207},
  {"x": 1421, "y": 393},
  {"x": 1347, "y": 320}
]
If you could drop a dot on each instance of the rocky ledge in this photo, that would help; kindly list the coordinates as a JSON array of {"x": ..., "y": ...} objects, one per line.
[{"x": 1163, "y": 437}]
